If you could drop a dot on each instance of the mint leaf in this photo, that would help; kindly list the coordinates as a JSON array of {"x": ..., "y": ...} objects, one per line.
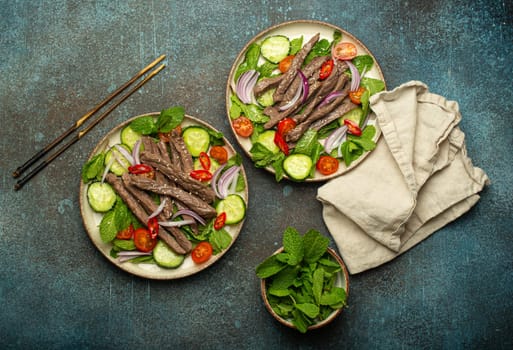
[
  {"x": 284, "y": 278},
  {"x": 220, "y": 240},
  {"x": 293, "y": 245},
  {"x": 93, "y": 169},
  {"x": 108, "y": 229},
  {"x": 363, "y": 61},
  {"x": 144, "y": 125},
  {"x": 269, "y": 267},
  {"x": 307, "y": 142},
  {"x": 315, "y": 246},
  {"x": 334, "y": 296},
  {"x": 295, "y": 45},
  {"x": 299, "y": 321},
  {"x": 310, "y": 310},
  {"x": 170, "y": 118},
  {"x": 317, "y": 284}
]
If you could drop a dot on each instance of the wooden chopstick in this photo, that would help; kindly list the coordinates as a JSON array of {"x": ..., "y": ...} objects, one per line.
[
  {"x": 84, "y": 118},
  {"x": 19, "y": 184}
]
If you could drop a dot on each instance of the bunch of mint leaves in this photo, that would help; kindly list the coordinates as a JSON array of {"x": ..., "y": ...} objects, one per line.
[{"x": 300, "y": 280}]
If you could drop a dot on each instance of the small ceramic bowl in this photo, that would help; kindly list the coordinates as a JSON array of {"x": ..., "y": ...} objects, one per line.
[{"x": 342, "y": 281}]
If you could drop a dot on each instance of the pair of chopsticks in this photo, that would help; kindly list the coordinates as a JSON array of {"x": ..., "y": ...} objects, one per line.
[{"x": 19, "y": 184}]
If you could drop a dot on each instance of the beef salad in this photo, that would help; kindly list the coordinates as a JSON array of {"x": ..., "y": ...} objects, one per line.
[
  {"x": 304, "y": 104},
  {"x": 166, "y": 191}
]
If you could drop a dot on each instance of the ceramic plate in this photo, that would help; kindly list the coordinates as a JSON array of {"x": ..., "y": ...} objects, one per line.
[
  {"x": 92, "y": 219},
  {"x": 306, "y": 29}
]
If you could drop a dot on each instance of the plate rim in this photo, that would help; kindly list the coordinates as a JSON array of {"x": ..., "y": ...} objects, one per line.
[
  {"x": 262, "y": 34},
  {"x": 131, "y": 268}
]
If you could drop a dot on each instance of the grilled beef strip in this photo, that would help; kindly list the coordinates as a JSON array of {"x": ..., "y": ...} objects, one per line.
[
  {"x": 182, "y": 151},
  {"x": 140, "y": 213},
  {"x": 341, "y": 109},
  {"x": 147, "y": 202},
  {"x": 178, "y": 177},
  {"x": 190, "y": 200},
  {"x": 331, "y": 83},
  {"x": 311, "y": 72},
  {"x": 296, "y": 133},
  {"x": 265, "y": 84},
  {"x": 296, "y": 64}
]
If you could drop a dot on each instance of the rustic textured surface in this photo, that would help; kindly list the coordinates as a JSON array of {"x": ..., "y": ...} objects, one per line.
[{"x": 58, "y": 58}]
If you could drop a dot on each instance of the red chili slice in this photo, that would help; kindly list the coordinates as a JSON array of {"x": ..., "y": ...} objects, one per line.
[
  {"x": 201, "y": 175},
  {"x": 140, "y": 169},
  {"x": 352, "y": 127},
  {"x": 280, "y": 142},
  {"x": 204, "y": 160},
  {"x": 153, "y": 227},
  {"x": 220, "y": 221}
]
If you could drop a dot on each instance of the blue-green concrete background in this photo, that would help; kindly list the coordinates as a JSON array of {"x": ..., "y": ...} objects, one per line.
[{"x": 59, "y": 58}]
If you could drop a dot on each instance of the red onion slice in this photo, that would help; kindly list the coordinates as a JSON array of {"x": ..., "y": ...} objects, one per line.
[
  {"x": 158, "y": 210},
  {"x": 190, "y": 213},
  {"x": 107, "y": 168},
  {"x": 176, "y": 223},
  {"x": 335, "y": 139},
  {"x": 355, "y": 76},
  {"x": 135, "y": 152},
  {"x": 306, "y": 87},
  {"x": 330, "y": 97},
  {"x": 213, "y": 181},
  {"x": 245, "y": 84},
  {"x": 125, "y": 154},
  {"x": 225, "y": 180}
]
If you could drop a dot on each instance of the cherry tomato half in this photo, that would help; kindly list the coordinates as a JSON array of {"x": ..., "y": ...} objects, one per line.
[
  {"x": 280, "y": 142},
  {"x": 352, "y": 127},
  {"x": 143, "y": 241},
  {"x": 356, "y": 96},
  {"x": 344, "y": 51},
  {"x": 327, "y": 165},
  {"x": 127, "y": 233},
  {"x": 285, "y": 63},
  {"x": 153, "y": 227},
  {"x": 204, "y": 160},
  {"x": 243, "y": 126},
  {"x": 285, "y": 125},
  {"x": 140, "y": 169},
  {"x": 220, "y": 221},
  {"x": 201, "y": 175},
  {"x": 326, "y": 69},
  {"x": 219, "y": 153},
  {"x": 202, "y": 252}
]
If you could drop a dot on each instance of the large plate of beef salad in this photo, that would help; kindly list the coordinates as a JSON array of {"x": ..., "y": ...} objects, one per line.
[
  {"x": 297, "y": 99},
  {"x": 163, "y": 195}
]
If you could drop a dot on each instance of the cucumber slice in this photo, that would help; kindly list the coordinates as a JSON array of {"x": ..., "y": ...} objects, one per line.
[
  {"x": 354, "y": 115},
  {"x": 120, "y": 164},
  {"x": 266, "y": 99},
  {"x": 275, "y": 48},
  {"x": 196, "y": 139},
  {"x": 129, "y": 137},
  {"x": 267, "y": 140},
  {"x": 101, "y": 196},
  {"x": 298, "y": 166},
  {"x": 234, "y": 207},
  {"x": 164, "y": 256}
]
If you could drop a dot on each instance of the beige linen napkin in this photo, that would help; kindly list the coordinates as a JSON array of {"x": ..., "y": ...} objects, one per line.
[{"x": 417, "y": 180}]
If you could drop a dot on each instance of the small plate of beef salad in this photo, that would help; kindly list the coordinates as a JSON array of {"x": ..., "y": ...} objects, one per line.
[
  {"x": 297, "y": 99},
  {"x": 163, "y": 195}
]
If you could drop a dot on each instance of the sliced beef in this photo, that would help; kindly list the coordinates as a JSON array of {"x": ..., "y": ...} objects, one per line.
[
  {"x": 191, "y": 201},
  {"x": 179, "y": 177},
  {"x": 296, "y": 64},
  {"x": 182, "y": 151},
  {"x": 267, "y": 83},
  {"x": 341, "y": 109},
  {"x": 140, "y": 213}
]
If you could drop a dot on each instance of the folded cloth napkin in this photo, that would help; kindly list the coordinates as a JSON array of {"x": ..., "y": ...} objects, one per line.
[{"x": 414, "y": 182}]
